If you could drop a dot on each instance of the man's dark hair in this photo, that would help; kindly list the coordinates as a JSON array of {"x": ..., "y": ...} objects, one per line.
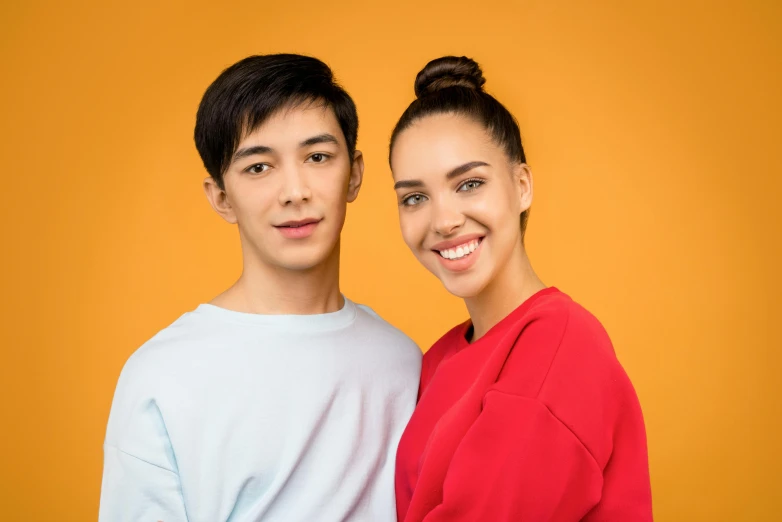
[{"x": 247, "y": 93}]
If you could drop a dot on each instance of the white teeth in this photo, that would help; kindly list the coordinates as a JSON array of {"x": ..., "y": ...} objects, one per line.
[{"x": 460, "y": 251}]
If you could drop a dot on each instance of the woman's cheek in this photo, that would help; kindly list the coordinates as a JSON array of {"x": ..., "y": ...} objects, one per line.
[
  {"x": 481, "y": 210},
  {"x": 411, "y": 229}
]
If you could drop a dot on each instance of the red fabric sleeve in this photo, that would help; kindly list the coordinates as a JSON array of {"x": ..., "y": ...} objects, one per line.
[
  {"x": 518, "y": 462},
  {"x": 424, "y": 380}
]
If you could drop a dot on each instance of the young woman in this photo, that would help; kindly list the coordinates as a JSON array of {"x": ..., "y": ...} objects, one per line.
[{"x": 524, "y": 412}]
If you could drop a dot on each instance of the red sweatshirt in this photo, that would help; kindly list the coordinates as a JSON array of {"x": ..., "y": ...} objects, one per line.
[{"x": 535, "y": 421}]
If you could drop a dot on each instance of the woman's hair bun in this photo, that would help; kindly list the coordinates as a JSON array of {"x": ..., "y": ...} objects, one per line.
[{"x": 449, "y": 71}]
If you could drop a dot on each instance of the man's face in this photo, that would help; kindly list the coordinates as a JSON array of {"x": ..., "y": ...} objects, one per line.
[{"x": 287, "y": 188}]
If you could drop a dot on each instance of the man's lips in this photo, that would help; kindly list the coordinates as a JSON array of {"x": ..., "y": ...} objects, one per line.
[
  {"x": 297, "y": 223},
  {"x": 298, "y": 229}
]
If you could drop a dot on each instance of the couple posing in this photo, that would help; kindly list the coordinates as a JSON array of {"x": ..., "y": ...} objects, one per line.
[{"x": 282, "y": 400}]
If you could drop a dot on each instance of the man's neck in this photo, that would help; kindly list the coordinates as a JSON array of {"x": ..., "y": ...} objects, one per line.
[{"x": 264, "y": 289}]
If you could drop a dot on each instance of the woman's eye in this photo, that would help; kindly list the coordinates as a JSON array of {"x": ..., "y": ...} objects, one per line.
[
  {"x": 413, "y": 200},
  {"x": 319, "y": 158},
  {"x": 257, "y": 168},
  {"x": 470, "y": 184}
]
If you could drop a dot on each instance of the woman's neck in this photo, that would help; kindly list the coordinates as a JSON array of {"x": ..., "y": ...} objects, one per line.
[{"x": 512, "y": 285}]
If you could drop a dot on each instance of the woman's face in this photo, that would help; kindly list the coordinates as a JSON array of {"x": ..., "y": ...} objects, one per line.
[{"x": 460, "y": 199}]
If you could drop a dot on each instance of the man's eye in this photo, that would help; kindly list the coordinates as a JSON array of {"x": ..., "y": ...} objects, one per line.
[
  {"x": 413, "y": 200},
  {"x": 257, "y": 168},
  {"x": 319, "y": 157}
]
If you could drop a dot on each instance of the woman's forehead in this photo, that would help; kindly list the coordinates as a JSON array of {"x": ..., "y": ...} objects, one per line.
[{"x": 436, "y": 144}]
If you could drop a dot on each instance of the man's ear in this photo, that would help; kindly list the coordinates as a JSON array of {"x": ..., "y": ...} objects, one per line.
[
  {"x": 522, "y": 177},
  {"x": 219, "y": 200},
  {"x": 356, "y": 176}
]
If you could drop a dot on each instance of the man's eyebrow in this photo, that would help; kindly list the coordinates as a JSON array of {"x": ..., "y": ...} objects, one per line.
[
  {"x": 320, "y": 138},
  {"x": 453, "y": 173},
  {"x": 251, "y": 151}
]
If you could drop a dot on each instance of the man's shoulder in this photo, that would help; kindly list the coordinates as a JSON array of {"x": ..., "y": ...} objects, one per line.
[
  {"x": 164, "y": 352},
  {"x": 149, "y": 374},
  {"x": 379, "y": 326}
]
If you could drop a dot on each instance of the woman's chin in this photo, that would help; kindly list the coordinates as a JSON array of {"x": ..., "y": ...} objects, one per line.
[{"x": 464, "y": 287}]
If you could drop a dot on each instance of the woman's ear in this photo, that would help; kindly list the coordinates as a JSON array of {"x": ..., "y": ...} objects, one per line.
[{"x": 522, "y": 177}]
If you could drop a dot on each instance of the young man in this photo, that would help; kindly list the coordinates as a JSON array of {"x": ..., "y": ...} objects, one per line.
[{"x": 281, "y": 399}]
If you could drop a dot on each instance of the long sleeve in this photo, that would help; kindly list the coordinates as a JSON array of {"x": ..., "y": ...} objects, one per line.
[
  {"x": 141, "y": 479},
  {"x": 136, "y": 490},
  {"x": 518, "y": 462}
]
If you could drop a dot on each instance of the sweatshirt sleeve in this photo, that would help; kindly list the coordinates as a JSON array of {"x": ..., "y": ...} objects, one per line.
[
  {"x": 140, "y": 473},
  {"x": 518, "y": 462},
  {"x": 135, "y": 490}
]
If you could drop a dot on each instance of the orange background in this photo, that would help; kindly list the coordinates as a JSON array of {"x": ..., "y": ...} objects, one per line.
[{"x": 653, "y": 130}]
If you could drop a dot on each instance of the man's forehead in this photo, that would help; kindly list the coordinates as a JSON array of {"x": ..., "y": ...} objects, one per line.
[{"x": 299, "y": 121}]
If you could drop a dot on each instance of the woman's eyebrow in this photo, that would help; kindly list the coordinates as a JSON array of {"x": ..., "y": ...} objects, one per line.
[
  {"x": 408, "y": 183},
  {"x": 461, "y": 169},
  {"x": 454, "y": 172}
]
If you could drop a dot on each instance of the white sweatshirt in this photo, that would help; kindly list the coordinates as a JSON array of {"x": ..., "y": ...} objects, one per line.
[{"x": 229, "y": 416}]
